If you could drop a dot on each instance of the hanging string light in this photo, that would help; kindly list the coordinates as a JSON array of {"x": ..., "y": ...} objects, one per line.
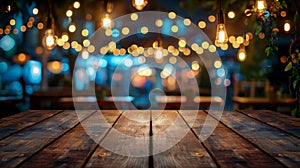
[
  {"x": 106, "y": 21},
  {"x": 221, "y": 35},
  {"x": 242, "y": 54},
  {"x": 106, "y": 18},
  {"x": 139, "y": 4},
  {"x": 158, "y": 52},
  {"x": 261, "y": 6},
  {"x": 49, "y": 40},
  {"x": 287, "y": 26}
]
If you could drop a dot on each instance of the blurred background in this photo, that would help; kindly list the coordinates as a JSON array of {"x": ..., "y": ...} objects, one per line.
[{"x": 35, "y": 68}]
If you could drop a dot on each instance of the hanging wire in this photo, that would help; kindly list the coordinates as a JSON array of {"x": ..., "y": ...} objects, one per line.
[
  {"x": 49, "y": 21},
  {"x": 220, "y": 13}
]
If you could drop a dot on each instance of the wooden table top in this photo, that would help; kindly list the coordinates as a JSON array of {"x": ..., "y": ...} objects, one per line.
[{"x": 243, "y": 138}]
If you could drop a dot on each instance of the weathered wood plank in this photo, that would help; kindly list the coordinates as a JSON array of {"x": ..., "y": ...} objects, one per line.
[
  {"x": 74, "y": 148},
  {"x": 168, "y": 129},
  {"x": 129, "y": 136},
  {"x": 24, "y": 114},
  {"x": 280, "y": 145},
  {"x": 23, "y": 120},
  {"x": 228, "y": 148},
  {"x": 18, "y": 147},
  {"x": 277, "y": 120}
]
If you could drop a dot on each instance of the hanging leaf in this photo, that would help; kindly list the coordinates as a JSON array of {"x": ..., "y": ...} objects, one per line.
[
  {"x": 268, "y": 51},
  {"x": 288, "y": 67},
  {"x": 257, "y": 31}
]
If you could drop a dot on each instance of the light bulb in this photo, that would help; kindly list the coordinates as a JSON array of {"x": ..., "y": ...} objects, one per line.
[
  {"x": 139, "y": 4},
  {"x": 106, "y": 21},
  {"x": 49, "y": 40},
  {"x": 261, "y": 5},
  {"x": 159, "y": 53},
  {"x": 242, "y": 55},
  {"x": 221, "y": 36},
  {"x": 287, "y": 26}
]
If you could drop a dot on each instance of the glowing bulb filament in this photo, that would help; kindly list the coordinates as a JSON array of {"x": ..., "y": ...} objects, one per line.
[
  {"x": 49, "y": 39},
  {"x": 221, "y": 36},
  {"x": 158, "y": 54},
  {"x": 261, "y": 5},
  {"x": 287, "y": 27},
  {"x": 139, "y": 4},
  {"x": 106, "y": 22},
  {"x": 242, "y": 55}
]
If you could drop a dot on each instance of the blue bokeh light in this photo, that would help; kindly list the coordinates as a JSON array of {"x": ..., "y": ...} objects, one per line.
[
  {"x": 102, "y": 63},
  {"x": 13, "y": 73},
  {"x": 3, "y": 67},
  {"x": 33, "y": 72},
  {"x": 16, "y": 88},
  {"x": 7, "y": 43},
  {"x": 115, "y": 33},
  {"x": 221, "y": 72},
  {"x": 65, "y": 67}
]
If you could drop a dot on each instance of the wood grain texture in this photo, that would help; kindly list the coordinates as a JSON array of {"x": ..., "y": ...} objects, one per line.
[
  {"x": 280, "y": 145},
  {"x": 175, "y": 144},
  {"x": 229, "y": 149},
  {"x": 283, "y": 122},
  {"x": 73, "y": 148},
  {"x": 18, "y": 147},
  {"x": 23, "y": 120},
  {"x": 129, "y": 138},
  {"x": 132, "y": 125}
]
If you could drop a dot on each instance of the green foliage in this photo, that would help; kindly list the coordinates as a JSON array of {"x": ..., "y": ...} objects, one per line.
[
  {"x": 271, "y": 50},
  {"x": 288, "y": 67}
]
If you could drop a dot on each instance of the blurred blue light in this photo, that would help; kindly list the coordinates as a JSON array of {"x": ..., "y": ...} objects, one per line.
[
  {"x": 7, "y": 43},
  {"x": 92, "y": 61},
  {"x": 102, "y": 63},
  {"x": 168, "y": 68},
  {"x": 91, "y": 72},
  {"x": 221, "y": 72},
  {"x": 90, "y": 26},
  {"x": 166, "y": 28},
  {"x": 181, "y": 27},
  {"x": 13, "y": 73},
  {"x": 101, "y": 77},
  {"x": 3, "y": 67},
  {"x": 29, "y": 89},
  {"x": 115, "y": 33},
  {"x": 116, "y": 60},
  {"x": 65, "y": 67},
  {"x": 80, "y": 62},
  {"x": 81, "y": 80},
  {"x": 16, "y": 88},
  {"x": 33, "y": 72},
  {"x": 198, "y": 39}
]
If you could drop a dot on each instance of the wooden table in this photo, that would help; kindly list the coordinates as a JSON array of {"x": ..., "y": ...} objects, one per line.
[
  {"x": 261, "y": 101},
  {"x": 41, "y": 138}
]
